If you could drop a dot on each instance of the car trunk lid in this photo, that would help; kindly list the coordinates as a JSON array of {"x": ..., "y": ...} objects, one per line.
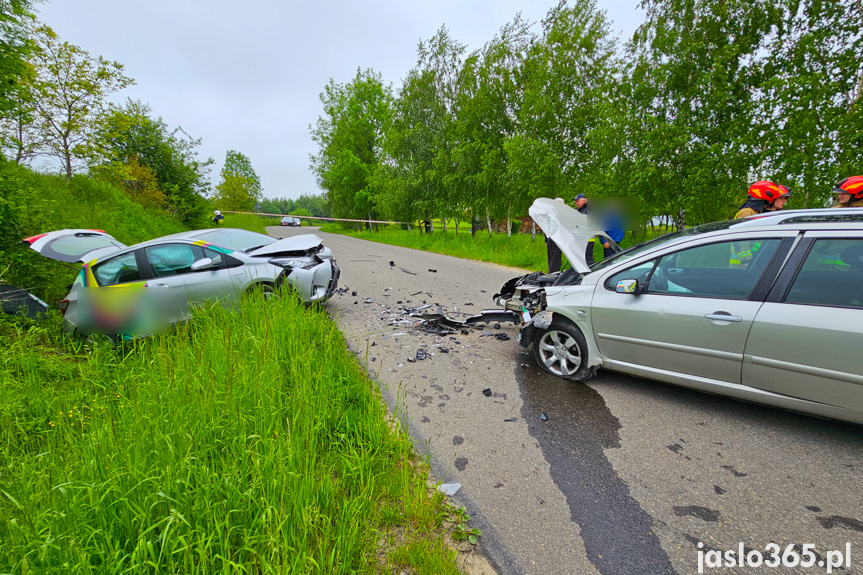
[{"x": 75, "y": 245}]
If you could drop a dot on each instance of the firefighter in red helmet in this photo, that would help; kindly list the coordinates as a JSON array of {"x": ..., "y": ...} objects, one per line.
[
  {"x": 849, "y": 192},
  {"x": 763, "y": 196}
]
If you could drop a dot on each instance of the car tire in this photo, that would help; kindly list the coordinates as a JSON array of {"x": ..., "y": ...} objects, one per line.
[
  {"x": 265, "y": 291},
  {"x": 561, "y": 350}
]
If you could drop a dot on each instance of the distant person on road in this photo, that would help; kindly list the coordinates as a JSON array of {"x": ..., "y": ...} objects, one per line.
[
  {"x": 850, "y": 192},
  {"x": 553, "y": 250},
  {"x": 763, "y": 196},
  {"x": 581, "y": 206}
]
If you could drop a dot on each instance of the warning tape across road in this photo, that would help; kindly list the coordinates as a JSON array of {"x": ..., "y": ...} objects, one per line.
[{"x": 314, "y": 217}]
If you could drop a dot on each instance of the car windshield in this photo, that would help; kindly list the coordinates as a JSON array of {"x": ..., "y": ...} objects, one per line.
[
  {"x": 234, "y": 239},
  {"x": 639, "y": 249}
]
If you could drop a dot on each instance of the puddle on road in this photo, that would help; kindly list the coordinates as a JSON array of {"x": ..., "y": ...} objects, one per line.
[{"x": 618, "y": 534}]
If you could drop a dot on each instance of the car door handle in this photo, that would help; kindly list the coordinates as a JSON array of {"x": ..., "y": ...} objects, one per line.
[
  {"x": 723, "y": 316},
  {"x": 159, "y": 285}
]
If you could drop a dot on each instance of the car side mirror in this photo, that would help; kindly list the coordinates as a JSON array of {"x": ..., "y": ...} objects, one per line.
[
  {"x": 628, "y": 286},
  {"x": 203, "y": 264}
]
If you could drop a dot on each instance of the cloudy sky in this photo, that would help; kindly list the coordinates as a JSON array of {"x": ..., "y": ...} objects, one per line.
[{"x": 246, "y": 75}]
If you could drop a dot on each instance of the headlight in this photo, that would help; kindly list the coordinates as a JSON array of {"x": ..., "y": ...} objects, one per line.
[{"x": 295, "y": 263}]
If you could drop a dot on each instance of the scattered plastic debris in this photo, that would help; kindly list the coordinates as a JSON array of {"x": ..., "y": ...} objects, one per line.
[
  {"x": 392, "y": 264},
  {"x": 398, "y": 333},
  {"x": 511, "y": 419},
  {"x": 496, "y": 326},
  {"x": 487, "y": 392},
  {"x": 368, "y": 300},
  {"x": 501, "y": 336},
  {"x": 543, "y": 416},
  {"x": 432, "y": 271},
  {"x": 449, "y": 488},
  {"x": 421, "y": 354},
  {"x": 354, "y": 293},
  {"x": 411, "y": 360},
  {"x": 342, "y": 291},
  {"x": 444, "y": 349}
]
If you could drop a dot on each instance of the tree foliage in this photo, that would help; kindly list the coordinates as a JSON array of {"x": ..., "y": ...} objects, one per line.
[
  {"x": 705, "y": 98},
  {"x": 240, "y": 186}
]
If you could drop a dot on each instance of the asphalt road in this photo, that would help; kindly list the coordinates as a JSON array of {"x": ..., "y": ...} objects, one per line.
[{"x": 625, "y": 476}]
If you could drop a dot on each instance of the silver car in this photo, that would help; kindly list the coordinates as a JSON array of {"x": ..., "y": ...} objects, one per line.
[
  {"x": 162, "y": 277},
  {"x": 767, "y": 309}
]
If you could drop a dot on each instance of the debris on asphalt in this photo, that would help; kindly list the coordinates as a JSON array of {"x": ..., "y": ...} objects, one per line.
[
  {"x": 415, "y": 294},
  {"x": 501, "y": 336},
  {"x": 368, "y": 300},
  {"x": 421, "y": 354},
  {"x": 432, "y": 271},
  {"x": 449, "y": 488},
  {"x": 411, "y": 360},
  {"x": 487, "y": 392},
  {"x": 543, "y": 416},
  {"x": 354, "y": 293},
  {"x": 444, "y": 349},
  {"x": 511, "y": 419},
  {"x": 373, "y": 344},
  {"x": 398, "y": 333},
  {"x": 342, "y": 291},
  {"x": 485, "y": 333},
  {"x": 408, "y": 271},
  {"x": 496, "y": 326},
  {"x": 392, "y": 264}
]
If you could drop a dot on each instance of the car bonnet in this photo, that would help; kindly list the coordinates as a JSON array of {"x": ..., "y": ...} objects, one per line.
[
  {"x": 295, "y": 245},
  {"x": 568, "y": 228}
]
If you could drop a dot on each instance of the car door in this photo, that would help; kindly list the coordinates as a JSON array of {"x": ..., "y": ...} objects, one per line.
[
  {"x": 695, "y": 312},
  {"x": 169, "y": 264},
  {"x": 806, "y": 339}
]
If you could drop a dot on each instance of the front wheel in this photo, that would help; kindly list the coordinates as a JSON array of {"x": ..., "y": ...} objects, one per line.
[{"x": 562, "y": 350}]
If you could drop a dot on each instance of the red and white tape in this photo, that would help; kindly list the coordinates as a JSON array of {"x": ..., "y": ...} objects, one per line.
[{"x": 313, "y": 217}]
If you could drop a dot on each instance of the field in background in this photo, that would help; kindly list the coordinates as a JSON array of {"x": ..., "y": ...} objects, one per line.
[
  {"x": 518, "y": 250},
  {"x": 246, "y": 442}
]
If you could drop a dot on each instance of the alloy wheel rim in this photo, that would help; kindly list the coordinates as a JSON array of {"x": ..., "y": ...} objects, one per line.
[{"x": 560, "y": 353}]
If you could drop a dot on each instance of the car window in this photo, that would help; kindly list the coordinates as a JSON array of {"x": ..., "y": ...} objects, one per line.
[
  {"x": 172, "y": 259},
  {"x": 218, "y": 259},
  {"x": 639, "y": 272},
  {"x": 831, "y": 275},
  {"x": 117, "y": 270},
  {"x": 728, "y": 270}
]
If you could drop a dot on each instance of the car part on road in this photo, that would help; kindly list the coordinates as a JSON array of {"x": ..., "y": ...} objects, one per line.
[
  {"x": 449, "y": 489},
  {"x": 487, "y": 392},
  {"x": 510, "y": 419},
  {"x": 543, "y": 416},
  {"x": 421, "y": 354}
]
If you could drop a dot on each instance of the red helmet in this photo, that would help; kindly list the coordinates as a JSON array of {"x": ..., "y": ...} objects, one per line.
[
  {"x": 765, "y": 190},
  {"x": 852, "y": 185},
  {"x": 786, "y": 193}
]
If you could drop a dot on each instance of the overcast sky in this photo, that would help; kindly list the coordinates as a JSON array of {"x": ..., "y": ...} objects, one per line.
[{"x": 246, "y": 75}]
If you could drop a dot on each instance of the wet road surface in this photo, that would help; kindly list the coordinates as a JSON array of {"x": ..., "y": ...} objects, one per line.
[{"x": 622, "y": 475}]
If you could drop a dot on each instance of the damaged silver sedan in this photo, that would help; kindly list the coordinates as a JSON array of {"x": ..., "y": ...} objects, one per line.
[
  {"x": 151, "y": 284},
  {"x": 767, "y": 309}
]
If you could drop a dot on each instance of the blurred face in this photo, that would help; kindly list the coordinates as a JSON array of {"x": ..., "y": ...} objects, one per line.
[
  {"x": 779, "y": 203},
  {"x": 844, "y": 198},
  {"x": 580, "y": 202}
]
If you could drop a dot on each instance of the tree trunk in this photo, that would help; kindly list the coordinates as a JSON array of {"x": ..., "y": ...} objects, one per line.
[
  {"x": 456, "y": 226},
  {"x": 509, "y": 221},
  {"x": 532, "y": 229},
  {"x": 409, "y": 227},
  {"x": 681, "y": 219},
  {"x": 488, "y": 221},
  {"x": 443, "y": 224}
]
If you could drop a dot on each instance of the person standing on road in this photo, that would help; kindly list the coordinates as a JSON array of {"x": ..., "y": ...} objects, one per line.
[
  {"x": 850, "y": 192},
  {"x": 553, "y": 250},
  {"x": 581, "y": 206},
  {"x": 763, "y": 196}
]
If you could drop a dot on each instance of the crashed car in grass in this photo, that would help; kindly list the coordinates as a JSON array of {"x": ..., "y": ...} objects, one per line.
[
  {"x": 766, "y": 309},
  {"x": 136, "y": 289}
]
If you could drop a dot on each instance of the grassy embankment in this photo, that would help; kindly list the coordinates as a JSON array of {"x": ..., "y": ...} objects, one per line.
[
  {"x": 518, "y": 250},
  {"x": 244, "y": 442}
]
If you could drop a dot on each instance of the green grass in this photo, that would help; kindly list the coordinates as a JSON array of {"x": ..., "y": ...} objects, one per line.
[
  {"x": 32, "y": 203},
  {"x": 245, "y": 442},
  {"x": 518, "y": 250}
]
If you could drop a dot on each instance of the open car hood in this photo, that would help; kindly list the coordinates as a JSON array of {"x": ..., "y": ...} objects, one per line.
[
  {"x": 568, "y": 228},
  {"x": 303, "y": 245}
]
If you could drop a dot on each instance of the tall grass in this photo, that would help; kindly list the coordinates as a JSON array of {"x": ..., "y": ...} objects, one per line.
[{"x": 248, "y": 441}]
